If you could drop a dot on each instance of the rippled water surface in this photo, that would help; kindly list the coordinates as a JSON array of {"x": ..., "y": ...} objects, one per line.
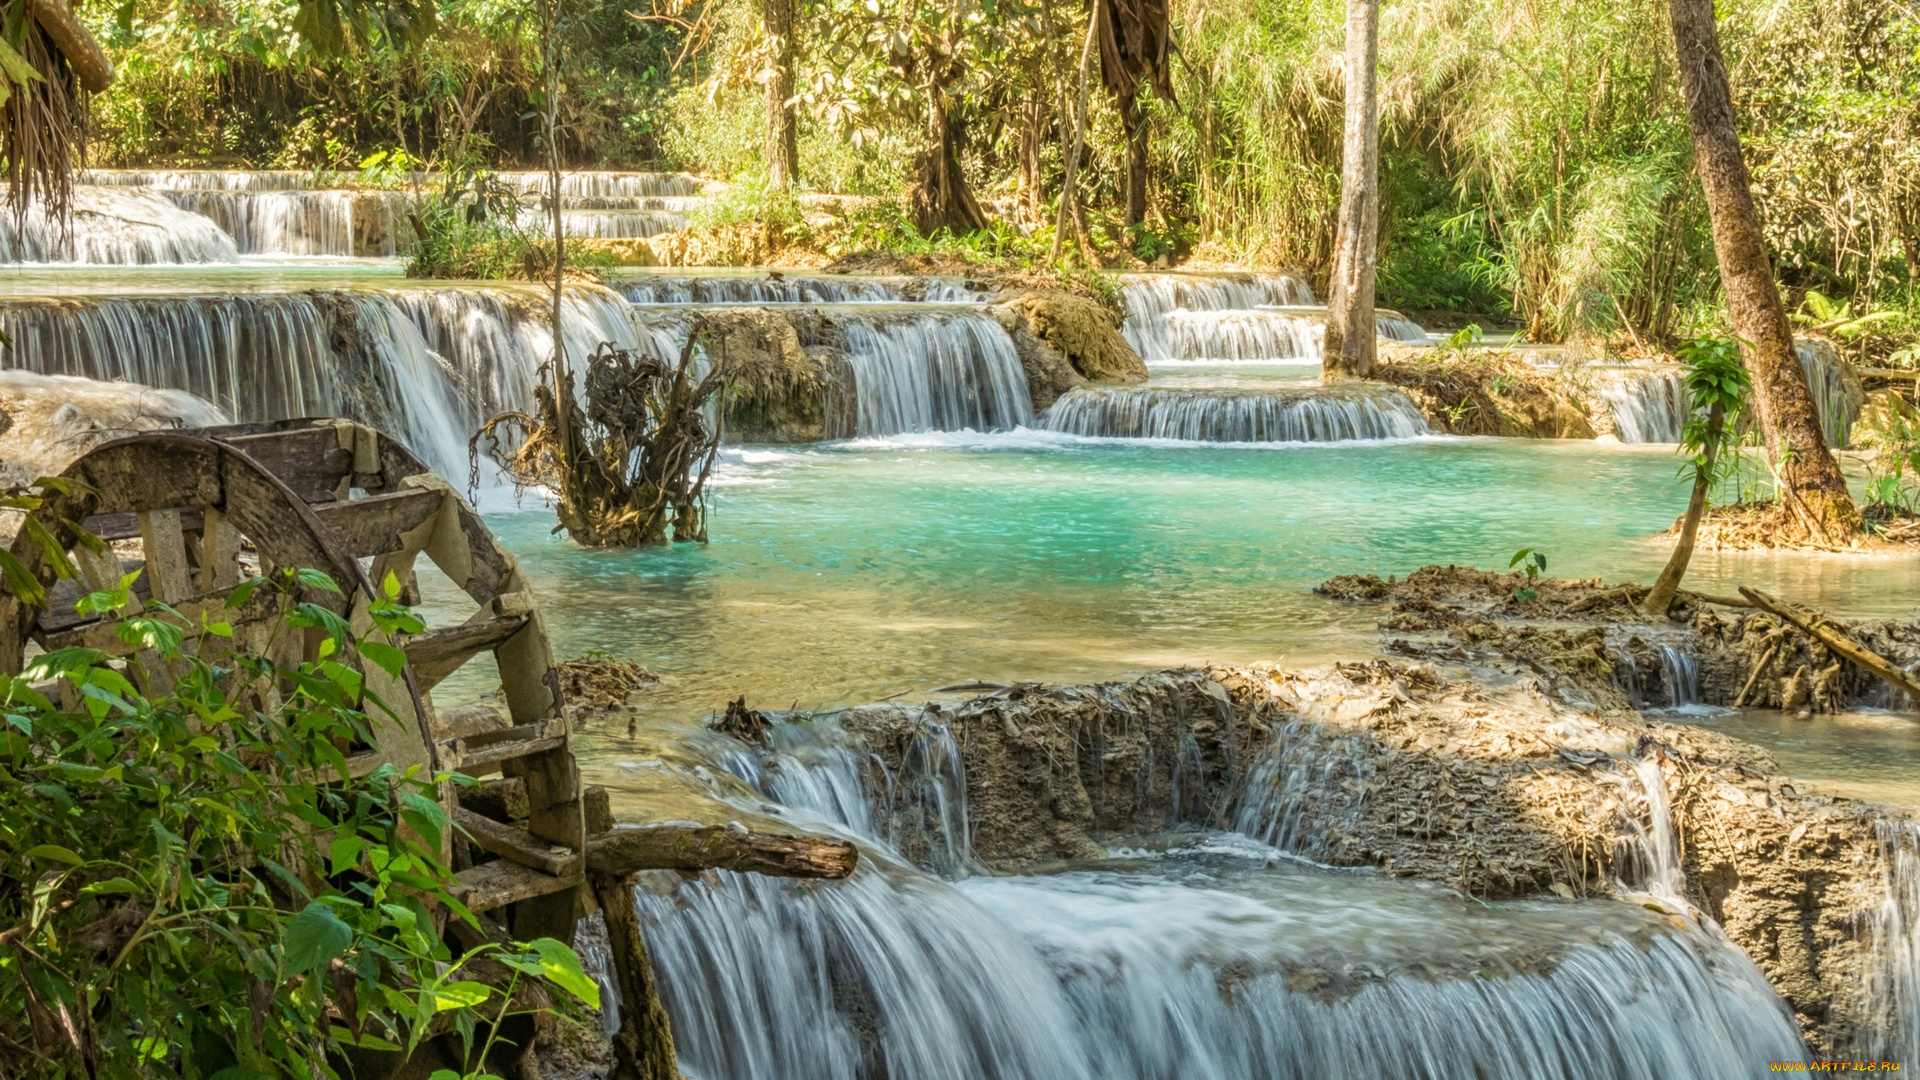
[{"x": 856, "y": 571}]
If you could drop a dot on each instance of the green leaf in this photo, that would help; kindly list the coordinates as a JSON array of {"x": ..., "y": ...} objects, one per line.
[
  {"x": 317, "y": 579},
  {"x": 244, "y": 591},
  {"x": 16, "y": 67},
  {"x": 346, "y": 850},
  {"x": 368, "y": 1041},
  {"x": 55, "y": 853},
  {"x": 561, "y": 966},
  {"x": 461, "y": 995},
  {"x": 111, "y": 886},
  {"x": 391, "y": 660},
  {"x": 315, "y": 936}
]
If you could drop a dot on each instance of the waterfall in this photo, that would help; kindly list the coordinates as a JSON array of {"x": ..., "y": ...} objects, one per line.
[
  {"x": 1651, "y": 405},
  {"x": 606, "y": 185},
  {"x": 1307, "y": 789},
  {"x": 1311, "y": 414},
  {"x": 935, "y": 371},
  {"x": 275, "y": 222},
  {"x": 1648, "y": 847},
  {"x": 621, "y": 224},
  {"x": 118, "y": 228},
  {"x": 1152, "y": 300},
  {"x": 1218, "y": 969},
  {"x": 1648, "y": 406},
  {"x": 1234, "y": 335},
  {"x": 920, "y": 812},
  {"x": 1682, "y": 675},
  {"x": 1893, "y": 934},
  {"x": 203, "y": 179},
  {"x": 424, "y": 364}
]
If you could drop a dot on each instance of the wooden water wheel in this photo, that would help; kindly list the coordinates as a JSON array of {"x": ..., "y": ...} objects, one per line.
[{"x": 205, "y": 507}]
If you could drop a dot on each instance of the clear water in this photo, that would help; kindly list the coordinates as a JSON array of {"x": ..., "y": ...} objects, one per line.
[
  {"x": 1863, "y": 755},
  {"x": 850, "y": 572}
]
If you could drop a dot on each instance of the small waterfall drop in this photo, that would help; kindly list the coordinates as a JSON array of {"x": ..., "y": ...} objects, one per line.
[
  {"x": 1893, "y": 931},
  {"x": 1648, "y": 849},
  {"x": 935, "y": 371},
  {"x": 1651, "y": 405},
  {"x": 1157, "y": 306},
  {"x": 768, "y": 289},
  {"x": 1681, "y": 672},
  {"x": 113, "y": 227},
  {"x": 1309, "y": 414},
  {"x": 303, "y": 222}
]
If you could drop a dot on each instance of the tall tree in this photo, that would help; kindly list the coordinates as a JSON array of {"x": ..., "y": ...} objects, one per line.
[
  {"x": 1134, "y": 43},
  {"x": 1811, "y": 485},
  {"x": 783, "y": 144},
  {"x": 1349, "y": 350}
]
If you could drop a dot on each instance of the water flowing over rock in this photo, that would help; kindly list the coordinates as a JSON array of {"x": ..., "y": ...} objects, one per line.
[
  {"x": 935, "y": 371},
  {"x": 118, "y": 228},
  {"x": 300, "y": 222},
  {"x": 425, "y": 364},
  {"x": 761, "y": 289},
  {"x": 1651, "y": 405},
  {"x": 1313, "y": 414},
  {"x": 1233, "y": 317}
]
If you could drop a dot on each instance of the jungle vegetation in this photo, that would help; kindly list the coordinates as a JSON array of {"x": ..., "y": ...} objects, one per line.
[{"x": 1534, "y": 157}]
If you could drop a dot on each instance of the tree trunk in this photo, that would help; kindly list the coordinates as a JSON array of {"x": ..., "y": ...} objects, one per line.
[
  {"x": 643, "y": 1047},
  {"x": 1069, "y": 200},
  {"x": 783, "y": 146},
  {"x": 1135, "y": 126},
  {"x": 939, "y": 194},
  {"x": 1810, "y": 478},
  {"x": 1351, "y": 330},
  {"x": 1661, "y": 598}
]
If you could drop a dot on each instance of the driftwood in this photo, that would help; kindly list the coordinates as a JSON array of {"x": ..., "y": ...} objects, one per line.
[
  {"x": 1835, "y": 638},
  {"x": 722, "y": 847}
]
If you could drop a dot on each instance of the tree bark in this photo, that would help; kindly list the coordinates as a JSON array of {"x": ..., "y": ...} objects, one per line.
[
  {"x": 643, "y": 1047},
  {"x": 724, "y": 847},
  {"x": 1069, "y": 202},
  {"x": 1668, "y": 585},
  {"x": 783, "y": 145},
  {"x": 1351, "y": 330},
  {"x": 939, "y": 194},
  {"x": 1135, "y": 126},
  {"x": 1794, "y": 441}
]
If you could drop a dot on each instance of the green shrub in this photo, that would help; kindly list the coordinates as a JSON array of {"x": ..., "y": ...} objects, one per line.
[{"x": 185, "y": 889}]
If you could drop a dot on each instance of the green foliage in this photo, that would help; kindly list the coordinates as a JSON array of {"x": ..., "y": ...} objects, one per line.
[
  {"x": 189, "y": 889},
  {"x": 1716, "y": 381},
  {"x": 1889, "y": 426},
  {"x": 1533, "y": 563}
]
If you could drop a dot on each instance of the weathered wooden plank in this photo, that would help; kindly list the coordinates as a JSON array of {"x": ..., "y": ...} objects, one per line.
[
  {"x": 499, "y": 883},
  {"x": 465, "y": 721},
  {"x": 165, "y": 542},
  {"x": 311, "y": 461},
  {"x": 439, "y": 652},
  {"x": 153, "y": 472},
  {"x": 519, "y": 845},
  {"x": 485, "y": 759},
  {"x": 723, "y": 847},
  {"x": 598, "y": 806},
  {"x": 372, "y": 526},
  {"x": 219, "y": 551},
  {"x": 503, "y": 798}
]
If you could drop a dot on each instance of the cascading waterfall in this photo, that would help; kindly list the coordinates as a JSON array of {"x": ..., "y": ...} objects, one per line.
[
  {"x": 113, "y": 227},
  {"x": 1648, "y": 406},
  {"x": 426, "y": 364},
  {"x": 935, "y": 371},
  {"x": 1893, "y": 931},
  {"x": 1209, "y": 969},
  {"x": 202, "y": 179},
  {"x": 1152, "y": 302},
  {"x": 303, "y": 222},
  {"x": 1648, "y": 847},
  {"x": 1681, "y": 673},
  {"x": 1308, "y": 414},
  {"x": 1234, "y": 335},
  {"x": 621, "y": 224},
  {"x": 1652, "y": 405},
  {"x": 607, "y": 185}
]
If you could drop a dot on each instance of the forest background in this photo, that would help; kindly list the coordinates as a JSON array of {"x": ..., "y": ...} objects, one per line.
[{"x": 1535, "y": 161}]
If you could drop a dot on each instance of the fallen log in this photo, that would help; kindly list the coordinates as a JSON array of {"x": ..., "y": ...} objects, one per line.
[
  {"x": 1835, "y": 638},
  {"x": 719, "y": 847}
]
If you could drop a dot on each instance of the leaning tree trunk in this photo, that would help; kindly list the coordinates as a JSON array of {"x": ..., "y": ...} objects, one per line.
[
  {"x": 783, "y": 145},
  {"x": 1349, "y": 350},
  {"x": 939, "y": 194},
  {"x": 1811, "y": 483},
  {"x": 1664, "y": 590}
]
